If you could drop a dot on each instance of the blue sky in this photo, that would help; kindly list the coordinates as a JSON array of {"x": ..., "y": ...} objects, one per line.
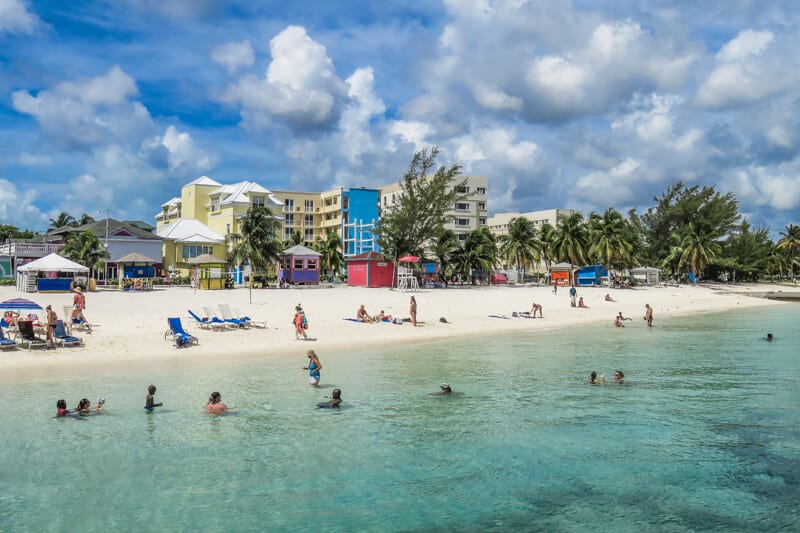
[{"x": 114, "y": 104}]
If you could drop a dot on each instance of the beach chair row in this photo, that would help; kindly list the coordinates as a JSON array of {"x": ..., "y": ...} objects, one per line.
[
  {"x": 227, "y": 319},
  {"x": 26, "y": 335}
]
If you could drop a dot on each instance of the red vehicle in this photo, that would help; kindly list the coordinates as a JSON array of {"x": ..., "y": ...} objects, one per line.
[{"x": 498, "y": 278}]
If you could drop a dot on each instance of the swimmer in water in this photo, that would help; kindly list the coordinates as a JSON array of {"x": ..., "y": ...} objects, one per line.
[
  {"x": 215, "y": 405},
  {"x": 335, "y": 401},
  {"x": 769, "y": 337},
  {"x": 446, "y": 390},
  {"x": 619, "y": 377},
  {"x": 148, "y": 402},
  {"x": 594, "y": 380},
  {"x": 84, "y": 407},
  {"x": 61, "y": 408},
  {"x": 314, "y": 366}
]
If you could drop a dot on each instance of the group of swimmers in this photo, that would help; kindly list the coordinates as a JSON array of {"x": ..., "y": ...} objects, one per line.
[
  {"x": 84, "y": 407},
  {"x": 619, "y": 377}
]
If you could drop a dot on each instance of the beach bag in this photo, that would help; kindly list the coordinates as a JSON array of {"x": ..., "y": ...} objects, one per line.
[{"x": 305, "y": 322}]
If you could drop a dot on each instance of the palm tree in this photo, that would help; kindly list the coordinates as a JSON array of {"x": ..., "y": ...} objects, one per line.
[
  {"x": 478, "y": 252},
  {"x": 256, "y": 244},
  {"x": 63, "y": 219},
  {"x": 331, "y": 249},
  {"x": 547, "y": 235},
  {"x": 699, "y": 247},
  {"x": 86, "y": 218},
  {"x": 294, "y": 240},
  {"x": 444, "y": 248},
  {"x": 520, "y": 245},
  {"x": 610, "y": 238},
  {"x": 85, "y": 248},
  {"x": 790, "y": 241},
  {"x": 569, "y": 241}
]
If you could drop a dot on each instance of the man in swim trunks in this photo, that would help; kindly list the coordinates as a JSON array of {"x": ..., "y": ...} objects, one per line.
[
  {"x": 648, "y": 315},
  {"x": 335, "y": 401},
  {"x": 362, "y": 315},
  {"x": 536, "y": 307},
  {"x": 413, "y": 311},
  {"x": 148, "y": 402}
]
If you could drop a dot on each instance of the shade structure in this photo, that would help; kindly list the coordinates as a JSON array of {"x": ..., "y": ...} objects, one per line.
[
  {"x": 19, "y": 304},
  {"x": 53, "y": 263},
  {"x": 408, "y": 259}
]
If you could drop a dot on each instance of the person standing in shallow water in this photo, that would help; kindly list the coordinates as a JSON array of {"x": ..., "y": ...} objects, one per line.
[
  {"x": 413, "y": 311},
  {"x": 648, "y": 315}
]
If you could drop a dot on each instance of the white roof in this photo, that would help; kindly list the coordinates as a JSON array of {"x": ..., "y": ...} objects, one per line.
[
  {"x": 240, "y": 193},
  {"x": 204, "y": 180},
  {"x": 53, "y": 263},
  {"x": 173, "y": 201},
  {"x": 190, "y": 230}
]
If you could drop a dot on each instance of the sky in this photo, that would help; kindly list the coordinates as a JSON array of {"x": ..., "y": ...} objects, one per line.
[{"x": 112, "y": 105}]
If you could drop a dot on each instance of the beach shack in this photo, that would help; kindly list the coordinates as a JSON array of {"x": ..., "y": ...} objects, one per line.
[
  {"x": 51, "y": 273},
  {"x": 430, "y": 272},
  {"x": 300, "y": 264},
  {"x": 591, "y": 275},
  {"x": 210, "y": 272},
  {"x": 646, "y": 275},
  {"x": 369, "y": 269},
  {"x": 136, "y": 271},
  {"x": 563, "y": 274}
]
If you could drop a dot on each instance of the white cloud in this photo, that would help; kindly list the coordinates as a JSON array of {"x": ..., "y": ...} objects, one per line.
[
  {"x": 301, "y": 85},
  {"x": 747, "y": 43},
  {"x": 34, "y": 160},
  {"x": 777, "y": 188},
  {"x": 16, "y": 18},
  {"x": 17, "y": 206},
  {"x": 612, "y": 187},
  {"x": 183, "y": 155},
  {"x": 234, "y": 55}
]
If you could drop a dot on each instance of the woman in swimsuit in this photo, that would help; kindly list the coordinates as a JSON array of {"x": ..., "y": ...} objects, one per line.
[
  {"x": 413, "y": 311},
  {"x": 215, "y": 405},
  {"x": 84, "y": 406},
  {"x": 314, "y": 366}
]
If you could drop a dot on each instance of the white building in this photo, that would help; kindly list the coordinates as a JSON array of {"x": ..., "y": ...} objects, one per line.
[{"x": 498, "y": 224}]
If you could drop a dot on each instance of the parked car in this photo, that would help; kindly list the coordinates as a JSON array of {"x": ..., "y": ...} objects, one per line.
[{"x": 499, "y": 278}]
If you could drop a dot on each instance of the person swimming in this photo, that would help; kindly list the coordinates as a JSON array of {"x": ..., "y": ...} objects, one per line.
[
  {"x": 594, "y": 380},
  {"x": 769, "y": 337},
  {"x": 61, "y": 408},
  {"x": 335, "y": 401},
  {"x": 446, "y": 390},
  {"x": 148, "y": 402},
  {"x": 214, "y": 404},
  {"x": 619, "y": 377},
  {"x": 84, "y": 406}
]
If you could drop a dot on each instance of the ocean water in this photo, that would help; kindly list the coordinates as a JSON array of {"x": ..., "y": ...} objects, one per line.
[{"x": 703, "y": 436}]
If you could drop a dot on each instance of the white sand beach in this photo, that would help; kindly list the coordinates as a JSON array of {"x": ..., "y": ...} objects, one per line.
[{"x": 129, "y": 328}]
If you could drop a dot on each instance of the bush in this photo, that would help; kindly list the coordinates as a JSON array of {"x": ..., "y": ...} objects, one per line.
[{"x": 7, "y": 282}]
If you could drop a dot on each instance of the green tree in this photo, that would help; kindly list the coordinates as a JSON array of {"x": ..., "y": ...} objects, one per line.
[
  {"x": 85, "y": 219},
  {"x": 520, "y": 245},
  {"x": 425, "y": 205},
  {"x": 257, "y": 244},
  {"x": 570, "y": 240},
  {"x": 85, "y": 248},
  {"x": 331, "y": 249},
  {"x": 547, "y": 235},
  {"x": 444, "y": 249},
  {"x": 478, "y": 252},
  {"x": 63, "y": 219},
  {"x": 611, "y": 239},
  {"x": 8, "y": 231},
  {"x": 790, "y": 240},
  {"x": 746, "y": 253},
  {"x": 699, "y": 247},
  {"x": 294, "y": 240}
]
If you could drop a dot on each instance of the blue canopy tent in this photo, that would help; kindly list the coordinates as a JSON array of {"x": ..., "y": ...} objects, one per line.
[{"x": 591, "y": 275}]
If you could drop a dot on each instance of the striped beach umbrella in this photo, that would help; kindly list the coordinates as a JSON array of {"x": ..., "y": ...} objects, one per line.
[{"x": 19, "y": 304}]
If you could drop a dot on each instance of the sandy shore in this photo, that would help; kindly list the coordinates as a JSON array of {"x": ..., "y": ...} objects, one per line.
[{"x": 129, "y": 327}]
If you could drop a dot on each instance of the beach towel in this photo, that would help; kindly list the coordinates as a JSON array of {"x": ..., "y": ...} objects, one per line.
[
  {"x": 353, "y": 320},
  {"x": 499, "y": 316}
]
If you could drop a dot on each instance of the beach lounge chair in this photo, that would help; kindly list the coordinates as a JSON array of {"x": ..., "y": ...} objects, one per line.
[
  {"x": 74, "y": 323},
  {"x": 65, "y": 339},
  {"x": 207, "y": 323},
  {"x": 227, "y": 316},
  {"x": 178, "y": 334},
  {"x": 5, "y": 342},
  {"x": 249, "y": 321},
  {"x": 210, "y": 314},
  {"x": 26, "y": 335}
]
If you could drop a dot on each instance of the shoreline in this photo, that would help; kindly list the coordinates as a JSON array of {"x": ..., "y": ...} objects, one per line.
[{"x": 129, "y": 328}]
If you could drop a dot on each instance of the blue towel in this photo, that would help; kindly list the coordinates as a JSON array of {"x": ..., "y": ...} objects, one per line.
[{"x": 352, "y": 319}]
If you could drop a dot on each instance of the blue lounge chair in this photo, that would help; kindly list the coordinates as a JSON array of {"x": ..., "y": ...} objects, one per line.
[
  {"x": 179, "y": 335},
  {"x": 207, "y": 323},
  {"x": 227, "y": 323},
  {"x": 64, "y": 338},
  {"x": 5, "y": 342},
  {"x": 227, "y": 316}
]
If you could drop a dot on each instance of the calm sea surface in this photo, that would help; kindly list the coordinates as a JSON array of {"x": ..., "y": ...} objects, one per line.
[{"x": 704, "y": 436}]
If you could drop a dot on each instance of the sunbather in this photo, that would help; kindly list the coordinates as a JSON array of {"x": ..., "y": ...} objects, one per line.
[
  {"x": 362, "y": 315},
  {"x": 382, "y": 317}
]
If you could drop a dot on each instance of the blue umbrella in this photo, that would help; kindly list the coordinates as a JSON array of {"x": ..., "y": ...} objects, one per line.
[{"x": 19, "y": 304}]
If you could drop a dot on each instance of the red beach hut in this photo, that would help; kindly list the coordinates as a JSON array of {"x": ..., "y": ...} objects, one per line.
[{"x": 369, "y": 269}]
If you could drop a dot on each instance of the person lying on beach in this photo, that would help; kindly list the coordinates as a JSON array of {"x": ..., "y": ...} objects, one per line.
[
  {"x": 335, "y": 401},
  {"x": 609, "y": 298},
  {"x": 581, "y": 304},
  {"x": 362, "y": 315},
  {"x": 594, "y": 380},
  {"x": 536, "y": 307},
  {"x": 382, "y": 317},
  {"x": 11, "y": 318},
  {"x": 619, "y": 377},
  {"x": 214, "y": 404},
  {"x": 148, "y": 402}
]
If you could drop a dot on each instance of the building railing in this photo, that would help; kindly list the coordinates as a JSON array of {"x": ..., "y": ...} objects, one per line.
[{"x": 32, "y": 249}]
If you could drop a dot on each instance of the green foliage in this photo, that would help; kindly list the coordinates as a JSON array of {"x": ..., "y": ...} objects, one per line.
[
  {"x": 520, "y": 246},
  {"x": 256, "y": 244},
  {"x": 790, "y": 241},
  {"x": 85, "y": 248},
  {"x": 63, "y": 219},
  {"x": 8, "y": 231},
  {"x": 612, "y": 239},
  {"x": 745, "y": 253},
  {"x": 411, "y": 225},
  {"x": 331, "y": 249},
  {"x": 570, "y": 240},
  {"x": 478, "y": 252},
  {"x": 444, "y": 250}
]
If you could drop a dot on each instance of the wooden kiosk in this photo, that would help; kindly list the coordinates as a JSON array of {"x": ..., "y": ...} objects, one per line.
[
  {"x": 136, "y": 272},
  {"x": 212, "y": 271}
]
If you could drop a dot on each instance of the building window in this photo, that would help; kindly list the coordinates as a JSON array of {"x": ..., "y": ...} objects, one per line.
[
  {"x": 298, "y": 264},
  {"x": 288, "y": 233},
  {"x": 462, "y": 189},
  {"x": 311, "y": 264},
  {"x": 482, "y": 190},
  {"x": 461, "y": 236},
  {"x": 462, "y": 206},
  {"x": 309, "y": 235},
  {"x": 259, "y": 201},
  {"x": 483, "y": 221},
  {"x": 288, "y": 219},
  {"x": 462, "y": 222},
  {"x": 309, "y": 206},
  {"x": 482, "y": 206},
  {"x": 193, "y": 250},
  {"x": 309, "y": 220},
  {"x": 288, "y": 205},
  {"x": 214, "y": 205},
  {"x": 228, "y": 229}
]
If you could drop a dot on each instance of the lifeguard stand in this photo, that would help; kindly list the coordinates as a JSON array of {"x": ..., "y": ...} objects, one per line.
[{"x": 406, "y": 280}]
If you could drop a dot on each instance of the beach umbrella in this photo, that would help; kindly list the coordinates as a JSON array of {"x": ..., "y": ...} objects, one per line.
[
  {"x": 409, "y": 259},
  {"x": 20, "y": 304}
]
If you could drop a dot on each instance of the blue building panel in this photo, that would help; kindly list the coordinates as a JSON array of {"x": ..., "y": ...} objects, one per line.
[{"x": 360, "y": 216}]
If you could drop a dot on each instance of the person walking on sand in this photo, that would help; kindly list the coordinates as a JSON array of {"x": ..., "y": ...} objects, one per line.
[
  {"x": 648, "y": 315},
  {"x": 299, "y": 318},
  {"x": 413, "y": 311},
  {"x": 573, "y": 295},
  {"x": 52, "y": 318}
]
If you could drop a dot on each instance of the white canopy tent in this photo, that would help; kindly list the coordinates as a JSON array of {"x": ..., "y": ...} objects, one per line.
[{"x": 27, "y": 274}]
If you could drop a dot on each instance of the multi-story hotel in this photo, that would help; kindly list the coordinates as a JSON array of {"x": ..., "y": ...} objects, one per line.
[
  {"x": 498, "y": 224},
  {"x": 469, "y": 214}
]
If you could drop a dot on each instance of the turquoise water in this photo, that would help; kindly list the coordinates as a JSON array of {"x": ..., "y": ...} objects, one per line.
[{"x": 704, "y": 436}]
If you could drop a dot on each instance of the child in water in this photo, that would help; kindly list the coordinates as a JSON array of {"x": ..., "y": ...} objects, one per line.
[
  {"x": 61, "y": 408},
  {"x": 84, "y": 406},
  {"x": 335, "y": 401},
  {"x": 148, "y": 402}
]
